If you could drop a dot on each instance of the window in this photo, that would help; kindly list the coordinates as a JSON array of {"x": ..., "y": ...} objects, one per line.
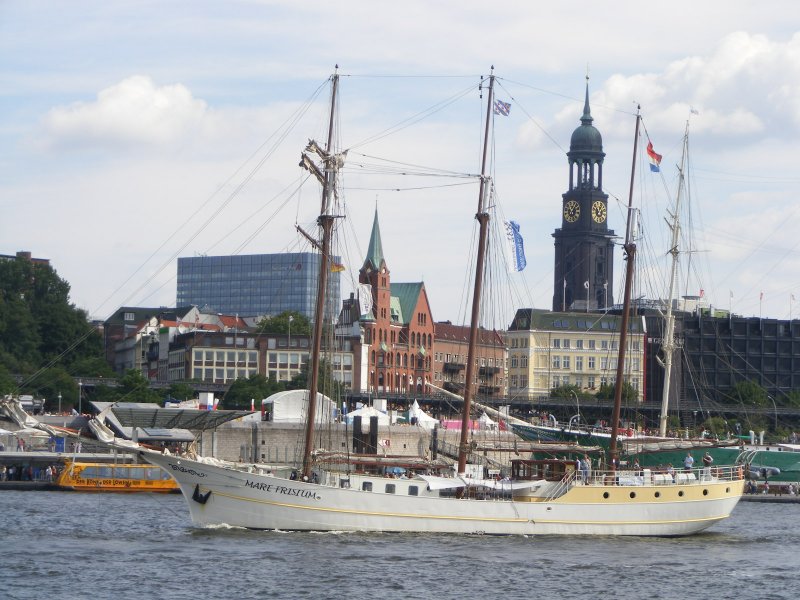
[
  {"x": 413, "y": 490},
  {"x": 129, "y": 316},
  {"x": 556, "y": 343},
  {"x": 366, "y": 486},
  {"x": 556, "y": 381},
  {"x": 604, "y": 363},
  {"x": 523, "y": 361},
  {"x": 390, "y": 488},
  {"x": 556, "y": 362},
  {"x": 566, "y": 343},
  {"x": 614, "y": 345},
  {"x": 579, "y": 344},
  {"x": 591, "y": 344},
  {"x": 565, "y": 362},
  {"x": 579, "y": 363},
  {"x": 591, "y": 363},
  {"x": 604, "y": 344},
  {"x": 513, "y": 362},
  {"x": 591, "y": 382},
  {"x": 513, "y": 380}
]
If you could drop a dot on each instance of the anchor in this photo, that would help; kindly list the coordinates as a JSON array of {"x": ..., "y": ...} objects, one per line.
[{"x": 198, "y": 497}]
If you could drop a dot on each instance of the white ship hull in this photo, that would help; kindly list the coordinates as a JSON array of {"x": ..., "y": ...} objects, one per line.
[{"x": 221, "y": 495}]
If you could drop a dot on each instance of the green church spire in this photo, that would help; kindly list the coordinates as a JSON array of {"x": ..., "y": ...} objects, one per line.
[{"x": 375, "y": 250}]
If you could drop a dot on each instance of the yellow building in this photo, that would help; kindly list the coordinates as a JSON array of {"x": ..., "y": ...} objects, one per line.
[{"x": 547, "y": 350}]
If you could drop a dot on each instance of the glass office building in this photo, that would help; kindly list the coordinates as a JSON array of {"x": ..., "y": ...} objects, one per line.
[{"x": 257, "y": 284}]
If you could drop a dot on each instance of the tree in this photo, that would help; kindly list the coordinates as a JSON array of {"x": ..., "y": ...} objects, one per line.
[
  {"x": 749, "y": 393},
  {"x": 567, "y": 391},
  {"x": 135, "y": 387},
  {"x": 606, "y": 392},
  {"x": 242, "y": 391},
  {"x": 181, "y": 391},
  {"x": 299, "y": 323}
]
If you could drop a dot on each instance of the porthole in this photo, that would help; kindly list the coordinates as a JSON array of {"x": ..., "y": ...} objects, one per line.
[
  {"x": 633, "y": 494},
  {"x": 705, "y": 492},
  {"x": 605, "y": 495},
  {"x": 727, "y": 490},
  {"x": 658, "y": 494},
  {"x": 680, "y": 494}
]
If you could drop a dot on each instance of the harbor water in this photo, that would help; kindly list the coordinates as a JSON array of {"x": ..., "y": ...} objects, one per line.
[{"x": 69, "y": 545}]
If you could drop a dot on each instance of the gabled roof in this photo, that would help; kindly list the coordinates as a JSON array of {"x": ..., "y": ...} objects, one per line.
[
  {"x": 407, "y": 295},
  {"x": 459, "y": 334}
]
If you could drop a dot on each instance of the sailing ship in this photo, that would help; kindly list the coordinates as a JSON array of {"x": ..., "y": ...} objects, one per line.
[{"x": 541, "y": 497}]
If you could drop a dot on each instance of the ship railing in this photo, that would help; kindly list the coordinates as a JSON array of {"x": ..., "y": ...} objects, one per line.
[{"x": 647, "y": 477}]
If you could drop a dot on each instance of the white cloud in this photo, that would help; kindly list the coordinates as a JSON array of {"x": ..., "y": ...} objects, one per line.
[{"x": 134, "y": 111}]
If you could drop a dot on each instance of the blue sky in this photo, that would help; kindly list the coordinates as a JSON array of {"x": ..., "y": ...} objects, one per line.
[{"x": 124, "y": 126}]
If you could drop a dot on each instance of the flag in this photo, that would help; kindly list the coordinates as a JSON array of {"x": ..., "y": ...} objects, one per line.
[
  {"x": 516, "y": 248},
  {"x": 365, "y": 298},
  {"x": 586, "y": 284},
  {"x": 702, "y": 292},
  {"x": 655, "y": 158},
  {"x": 502, "y": 108},
  {"x": 337, "y": 267},
  {"x": 694, "y": 111}
]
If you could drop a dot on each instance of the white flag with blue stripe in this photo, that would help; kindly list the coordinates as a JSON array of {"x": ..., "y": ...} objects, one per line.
[{"x": 516, "y": 248}]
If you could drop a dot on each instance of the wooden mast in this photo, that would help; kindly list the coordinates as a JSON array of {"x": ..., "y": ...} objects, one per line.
[
  {"x": 630, "y": 253},
  {"x": 483, "y": 219},
  {"x": 325, "y": 222}
]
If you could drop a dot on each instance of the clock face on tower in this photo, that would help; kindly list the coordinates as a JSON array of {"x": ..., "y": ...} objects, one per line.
[
  {"x": 598, "y": 211},
  {"x": 572, "y": 210}
]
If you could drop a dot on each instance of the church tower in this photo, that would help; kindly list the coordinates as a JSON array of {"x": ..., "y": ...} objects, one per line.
[{"x": 584, "y": 256}]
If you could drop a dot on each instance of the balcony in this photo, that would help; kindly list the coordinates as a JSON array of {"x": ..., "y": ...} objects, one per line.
[
  {"x": 488, "y": 371},
  {"x": 489, "y": 390},
  {"x": 453, "y": 367}
]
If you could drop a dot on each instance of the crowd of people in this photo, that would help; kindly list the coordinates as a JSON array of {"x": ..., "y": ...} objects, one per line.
[{"x": 14, "y": 472}]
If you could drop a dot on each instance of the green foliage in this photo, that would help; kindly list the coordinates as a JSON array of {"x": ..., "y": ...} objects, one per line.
[
  {"x": 299, "y": 324},
  {"x": 256, "y": 387},
  {"x": 326, "y": 384},
  {"x": 135, "y": 387},
  {"x": 181, "y": 391},
  {"x": 606, "y": 392},
  {"x": 38, "y": 325},
  {"x": 566, "y": 391},
  {"x": 7, "y": 383},
  {"x": 749, "y": 393},
  {"x": 792, "y": 399},
  {"x": 717, "y": 426}
]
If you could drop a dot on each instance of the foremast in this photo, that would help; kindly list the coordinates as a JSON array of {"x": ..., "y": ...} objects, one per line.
[
  {"x": 325, "y": 222},
  {"x": 669, "y": 325},
  {"x": 630, "y": 254},
  {"x": 483, "y": 220}
]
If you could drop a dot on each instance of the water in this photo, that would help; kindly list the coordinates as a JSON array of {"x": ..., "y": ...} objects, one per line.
[{"x": 76, "y": 545}]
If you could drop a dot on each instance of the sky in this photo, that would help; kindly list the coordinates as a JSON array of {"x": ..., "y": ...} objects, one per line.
[{"x": 133, "y": 133}]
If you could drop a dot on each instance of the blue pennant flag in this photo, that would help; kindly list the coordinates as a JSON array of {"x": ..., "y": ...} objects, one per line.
[{"x": 515, "y": 246}]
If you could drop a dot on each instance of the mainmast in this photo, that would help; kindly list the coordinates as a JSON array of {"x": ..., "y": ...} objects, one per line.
[
  {"x": 325, "y": 223},
  {"x": 483, "y": 219},
  {"x": 669, "y": 327},
  {"x": 630, "y": 253}
]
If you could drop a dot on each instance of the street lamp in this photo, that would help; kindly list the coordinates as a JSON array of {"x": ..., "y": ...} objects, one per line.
[
  {"x": 80, "y": 397},
  {"x": 775, "y": 410},
  {"x": 289, "y": 344},
  {"x": 578, "y": 404},
  {"x": 59, "y": 403}
]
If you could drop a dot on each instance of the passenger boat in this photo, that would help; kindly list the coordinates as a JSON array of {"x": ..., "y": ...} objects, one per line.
[
  {"x": 110, "y": 477},
  {"x": 541, "y": 497}
]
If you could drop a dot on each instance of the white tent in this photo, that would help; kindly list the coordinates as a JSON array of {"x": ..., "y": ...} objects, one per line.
[
  {"x": 291, "y": 406},
  {"x": 485, "y": 422},
  {"x": 365, "y": 412},
  {"x": 422, "y": 418}
]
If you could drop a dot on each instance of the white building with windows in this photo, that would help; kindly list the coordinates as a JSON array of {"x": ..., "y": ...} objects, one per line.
[{"x": 552, "y": 349}]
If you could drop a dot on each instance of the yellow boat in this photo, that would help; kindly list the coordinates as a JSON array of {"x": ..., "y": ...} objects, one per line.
[{"x": 110, "y": 477}]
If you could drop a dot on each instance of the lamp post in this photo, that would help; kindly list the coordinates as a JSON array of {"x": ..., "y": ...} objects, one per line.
[
  {"x": 80, "y": 397},
  {"x": 289, "y": 345},
  {"x": 775, "y": 411},
  {"x": 578, "y": 404},
  {"x": 59, "y": 403}
]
